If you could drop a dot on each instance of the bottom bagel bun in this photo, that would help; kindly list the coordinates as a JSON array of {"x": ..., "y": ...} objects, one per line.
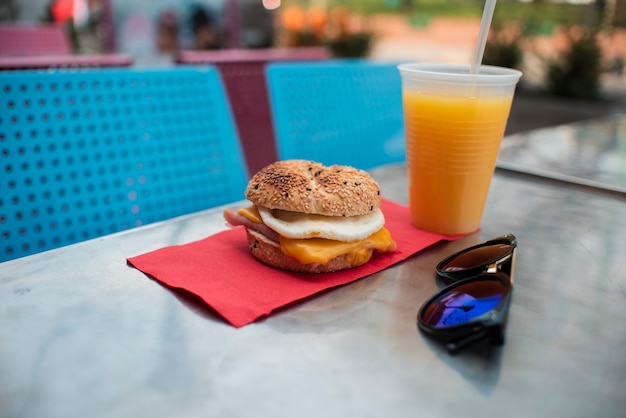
[{"x": 269, "y": 252}]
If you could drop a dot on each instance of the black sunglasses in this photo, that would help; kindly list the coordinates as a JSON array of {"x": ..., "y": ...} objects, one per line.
[{"x": 475, "y": 306}]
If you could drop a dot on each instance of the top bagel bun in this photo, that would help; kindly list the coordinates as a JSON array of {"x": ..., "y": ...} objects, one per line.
[{"x": 310, "y": 187}]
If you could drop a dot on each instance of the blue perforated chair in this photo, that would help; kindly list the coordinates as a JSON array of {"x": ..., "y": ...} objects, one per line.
[
  {"x": 90, "y": 152},
  {"x": 338, "y": 112}
]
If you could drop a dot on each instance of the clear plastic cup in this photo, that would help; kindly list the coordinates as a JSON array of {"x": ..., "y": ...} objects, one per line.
[{"x": 454, "y": 124}]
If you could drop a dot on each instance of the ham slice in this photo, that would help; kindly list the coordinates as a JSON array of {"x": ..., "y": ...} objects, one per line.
[{"x": 235, "y": 219}]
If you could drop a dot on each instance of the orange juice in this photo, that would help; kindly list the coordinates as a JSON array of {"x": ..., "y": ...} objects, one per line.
[{"x": 452, "y": 145}]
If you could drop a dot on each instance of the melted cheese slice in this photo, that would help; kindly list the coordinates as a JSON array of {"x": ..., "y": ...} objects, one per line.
[
  {"x": 321, "y": 250},
  {"x": 251, "y": 213}
]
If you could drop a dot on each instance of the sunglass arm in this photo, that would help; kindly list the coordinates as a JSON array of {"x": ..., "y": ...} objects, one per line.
[{"x": 495, "y": 338}]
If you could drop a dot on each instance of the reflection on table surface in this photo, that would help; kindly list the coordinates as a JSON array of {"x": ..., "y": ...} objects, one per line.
[
  {"x": 591, "y": 152},
  {"x": 83, "y": 334}
]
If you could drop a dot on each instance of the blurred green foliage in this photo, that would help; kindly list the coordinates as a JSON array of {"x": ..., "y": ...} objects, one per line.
[
  {"x": 576, "y": 72},
  {"x": 504, "y": 45},
  {"x": 353, "y": 45},
  {"x": 539, "y": 14}
]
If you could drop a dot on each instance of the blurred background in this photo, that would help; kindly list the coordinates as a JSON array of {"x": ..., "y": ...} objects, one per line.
[{"x": 565, "y": 48}]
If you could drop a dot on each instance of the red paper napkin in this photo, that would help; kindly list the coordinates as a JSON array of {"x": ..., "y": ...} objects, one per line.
[{"x": 220, "y": 270}]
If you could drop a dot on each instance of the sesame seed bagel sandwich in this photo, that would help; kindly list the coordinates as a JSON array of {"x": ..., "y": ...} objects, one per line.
[{"x": 307, "y": 217}]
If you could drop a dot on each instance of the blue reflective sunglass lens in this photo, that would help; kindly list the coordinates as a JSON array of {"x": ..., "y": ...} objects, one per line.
[{"x": 463, "y": 303}]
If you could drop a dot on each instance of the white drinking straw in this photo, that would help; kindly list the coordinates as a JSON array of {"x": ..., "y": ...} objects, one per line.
[{"x": 485, "y": 23}]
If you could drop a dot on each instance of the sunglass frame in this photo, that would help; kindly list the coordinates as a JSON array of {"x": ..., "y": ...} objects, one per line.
[{"x": 489, "y": 325}]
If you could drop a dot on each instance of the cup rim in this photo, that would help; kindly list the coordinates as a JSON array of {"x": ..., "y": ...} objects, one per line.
[{"x": 459, "y": 73}]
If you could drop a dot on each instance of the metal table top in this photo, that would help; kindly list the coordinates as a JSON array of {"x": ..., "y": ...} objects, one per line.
[
  {"x": 83, "y": 334},
  {"x": 590, "y": 153}
]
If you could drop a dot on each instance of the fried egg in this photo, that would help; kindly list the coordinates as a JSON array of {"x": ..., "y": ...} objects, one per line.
[{"x": 303, "y": 225}]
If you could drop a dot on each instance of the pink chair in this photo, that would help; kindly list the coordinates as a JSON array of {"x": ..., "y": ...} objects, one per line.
[
  {"x": 29, "y": 40},
  {"x": 24, "y": 47},
  {"x": 252, "y": 55},
  {"x": 64, "y": 61},
  {"x": 243, "y": 73}
]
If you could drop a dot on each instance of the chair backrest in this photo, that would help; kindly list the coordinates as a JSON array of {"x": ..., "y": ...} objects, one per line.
[
  {"x": 10, "y": 63},
  {"x": 338, "y": 112},
  {"x": 266, "y": 55},
  {"x": 39, "y": 39},
  {"x": 86, "y": 153},
  {"x": 243, "y": 72}
]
